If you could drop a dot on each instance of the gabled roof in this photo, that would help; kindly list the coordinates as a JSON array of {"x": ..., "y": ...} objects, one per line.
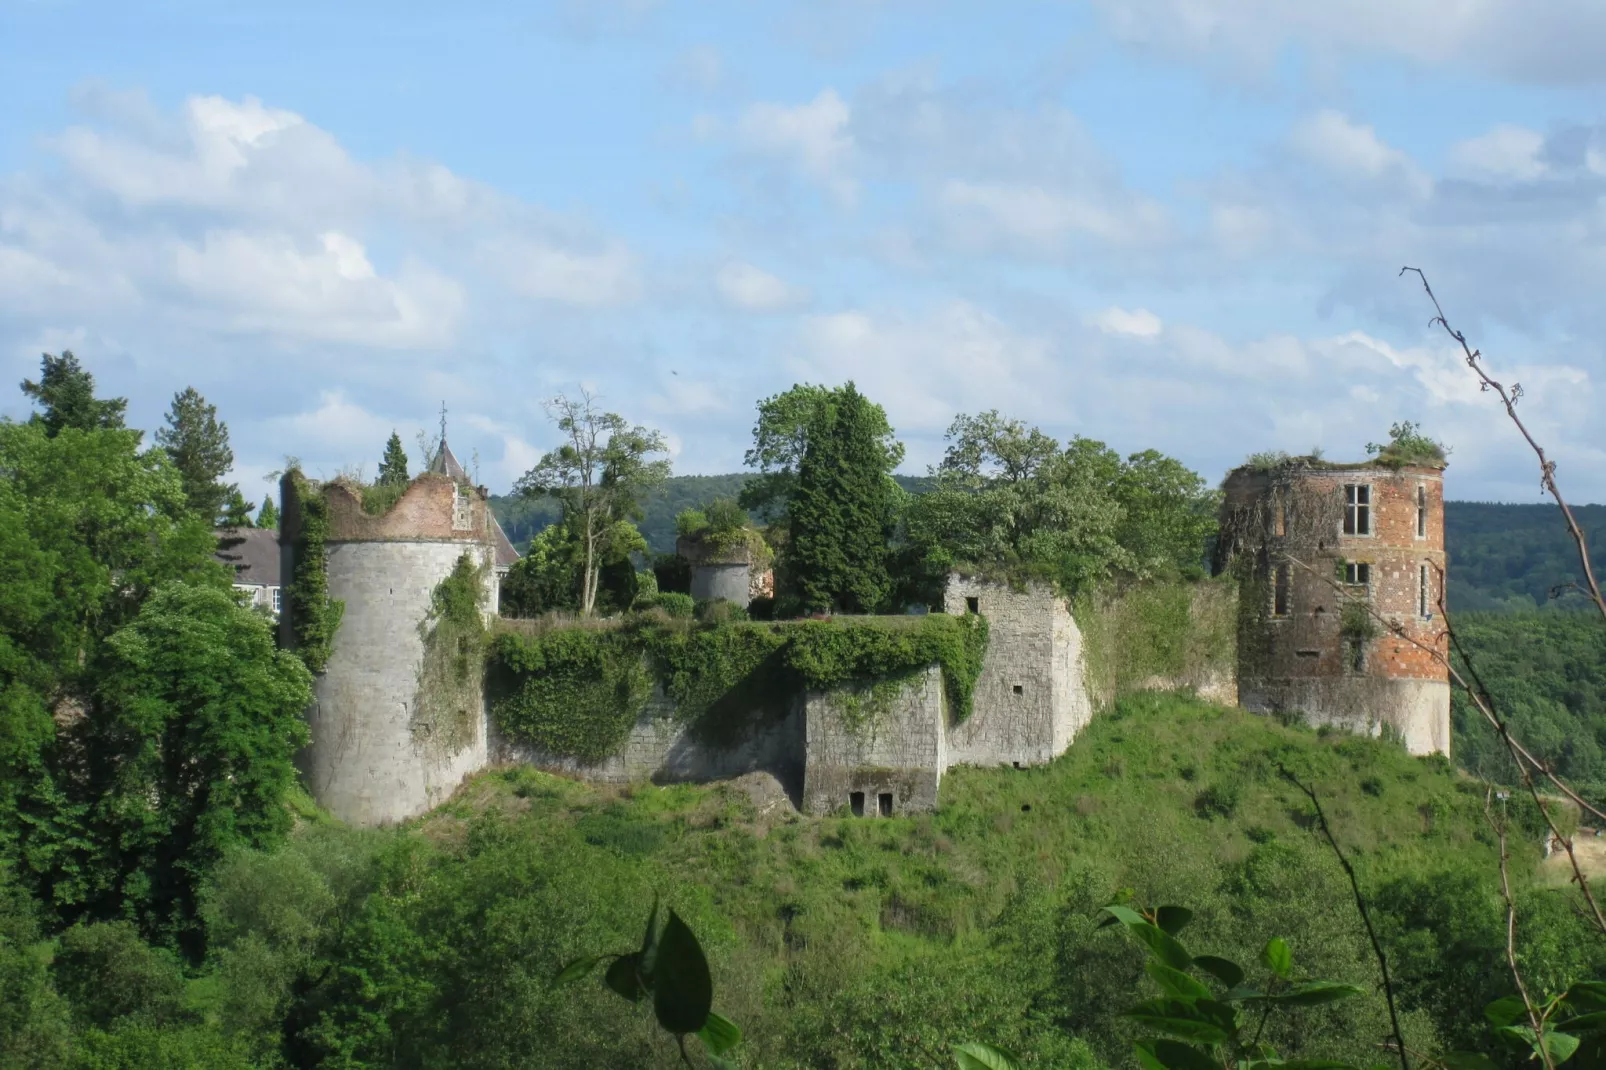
[
  {"x": 253, "y": 554},
  {"x": 445, "y": 463}
]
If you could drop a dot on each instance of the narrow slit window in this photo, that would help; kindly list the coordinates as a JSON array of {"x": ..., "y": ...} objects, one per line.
[
  {"x": 1357, "y": 509},
  {"x": 972, "y": 604},
  {"x": 1421, "y": 511},
  {"x": 1279, "y": 515},
  {"x": 1281, "y": 590},
  {"x": 856, "y": 803},
  {"x": 1357, "y": 573},
  {"x": 884, "y": 800},
  {"x": 1355, "y": 655},
  {"x": 1423, "y": 598}
]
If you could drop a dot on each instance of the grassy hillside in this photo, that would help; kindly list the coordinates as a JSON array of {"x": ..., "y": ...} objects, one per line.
[
  {"x": 853, "y": 943},
  {"x": 1508, "y": 557}
]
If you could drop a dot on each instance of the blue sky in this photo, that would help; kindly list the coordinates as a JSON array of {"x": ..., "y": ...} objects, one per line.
[{"x": 1161, "y": 223}]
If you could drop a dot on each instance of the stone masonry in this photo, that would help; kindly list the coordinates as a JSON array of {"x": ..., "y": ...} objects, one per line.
[{"x": 890, "y": 765}]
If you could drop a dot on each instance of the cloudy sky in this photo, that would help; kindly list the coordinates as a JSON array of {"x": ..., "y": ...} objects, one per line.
[{"x": 1162, "y": 223}]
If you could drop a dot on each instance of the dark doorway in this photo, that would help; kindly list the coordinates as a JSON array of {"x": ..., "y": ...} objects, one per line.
[
  {"x": 856, "y": 803},
  {"x": 885, "y": 799},
  {"x": 973, "y": 605}
]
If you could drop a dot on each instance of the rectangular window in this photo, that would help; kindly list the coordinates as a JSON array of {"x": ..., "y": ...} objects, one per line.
[
  {"x": 1357, "y": 573},
  {"x": 885, "y": 802},
  {"x": 1421, "y": 511},
  {"x": 1279, "y": 515},
  {"x": 1280, "y": 591},
  {"x": 462, "y": 510},
  {"x": 277, "y": 599},
  {"x": 1423, "y": 599},
  {"x": 856, "y": 803},
  {"x": 1357, "y": 509},
  {"x": 972, "y": 604},
  {"x": 1355, "y": 655}
]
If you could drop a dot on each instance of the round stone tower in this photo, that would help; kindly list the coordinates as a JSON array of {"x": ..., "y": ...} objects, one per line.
[
  {"x": 725, "y": 572},
  {"x": 382, "y": 748},
  {"x": 1323, "y": 550}
]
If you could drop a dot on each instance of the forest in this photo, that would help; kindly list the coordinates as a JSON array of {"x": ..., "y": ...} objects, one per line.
[{"x": 171, "y": 897}]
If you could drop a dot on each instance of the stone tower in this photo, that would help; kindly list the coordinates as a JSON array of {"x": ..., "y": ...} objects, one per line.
[
  {"x": 1317, "y": 546},
  {"x": 380, "y": 752}
]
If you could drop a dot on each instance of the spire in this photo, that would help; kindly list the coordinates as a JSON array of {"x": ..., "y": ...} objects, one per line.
[{"x": 443, "y": 425}]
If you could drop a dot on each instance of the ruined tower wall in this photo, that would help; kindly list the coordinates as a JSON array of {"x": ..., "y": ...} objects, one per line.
[{"x": 893, "y": 761}]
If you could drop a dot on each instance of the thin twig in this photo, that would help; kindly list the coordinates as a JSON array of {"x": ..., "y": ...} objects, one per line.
[
  {"x": 1547, "y": 467},
  {"x": 1366, "y": 918},
  {"x": 1534, "y": 1019}
]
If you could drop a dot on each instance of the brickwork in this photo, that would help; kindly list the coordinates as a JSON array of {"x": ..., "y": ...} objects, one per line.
[{"x": 1321, "y": 543}]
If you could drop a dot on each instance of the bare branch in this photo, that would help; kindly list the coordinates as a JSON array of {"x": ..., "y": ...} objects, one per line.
[
  {"x": 1547, "y": 467},
  {"x": 1366, "y": 918},
  {"x": 1534, "y": 1018}
]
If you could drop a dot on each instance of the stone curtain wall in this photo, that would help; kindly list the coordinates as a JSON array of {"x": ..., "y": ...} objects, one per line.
[{"x": 892, "y": 761}]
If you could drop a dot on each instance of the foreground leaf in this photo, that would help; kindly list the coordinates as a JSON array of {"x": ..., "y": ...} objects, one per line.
[
  {"x": 719, "y": 1034},
  {"x": 1277, "y": 957},
  {"x": 1177, "y": 985},
  {"x": 975, "y": 1056},
  {"x": 577, "y": 969},
  {"x": 1226, "y": 971},
  {"x": 682, "y": 990},
  {"x": 1173, "y": 1055},
  {"x": 1467, "y": 1060},
  {"x": 1505, "y": 1011},
  {"x": 1164, "y": 946},
  {"x": 1172, "y": 919},
  {"x": 623, "y": 978},
  {"x": 1205, "y": 1020},
  {"x": 1312, "y": 994}
]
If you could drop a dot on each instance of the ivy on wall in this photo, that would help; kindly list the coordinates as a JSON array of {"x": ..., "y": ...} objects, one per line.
[
  {"x": 314, "y": 616},
  {"x": 452, "y": 673},
  {"x": 576, "y": 692},
  {"x": 1178, "y": 632}
]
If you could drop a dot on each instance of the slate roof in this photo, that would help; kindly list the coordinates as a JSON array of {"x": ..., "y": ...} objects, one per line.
[
  {"x": 445, "y": 463},
  {"x": 253, "y": 553}
]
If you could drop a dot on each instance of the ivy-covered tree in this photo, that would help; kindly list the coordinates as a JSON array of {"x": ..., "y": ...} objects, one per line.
[
  {"x": 781, "y": 438},
  {"x": 843, "y": 510},
  {"x": 268, "y": 515},
  {"x": 66, "y": 394},
  {"x": 393, "y": 465},
  {"x": 598, "y": 475},
  {"x": 199, "y": 447}
]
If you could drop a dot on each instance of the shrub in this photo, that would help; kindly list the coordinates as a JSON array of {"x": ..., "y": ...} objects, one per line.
[
  {"x": 720, "y": 611},
  {"x": 676, "y": 604}
]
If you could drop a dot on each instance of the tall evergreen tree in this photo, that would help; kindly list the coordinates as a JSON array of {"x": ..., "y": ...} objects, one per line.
[
  {"x": 199, "y": 447},
  {"x": 268, "y": 515},
  {"x": 842, "y": 510},
  {"x": 237, "y": 513},
  {"x": 66, "y": 393},
  {"x": 393, "y": 466}
]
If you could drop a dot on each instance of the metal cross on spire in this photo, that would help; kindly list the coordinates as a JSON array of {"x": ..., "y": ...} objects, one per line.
[{"x": 443, "y": 423}]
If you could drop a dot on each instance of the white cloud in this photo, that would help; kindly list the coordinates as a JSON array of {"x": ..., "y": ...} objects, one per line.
[
  {"x": 1505, "y": 152},
  {"x": 1139, "y": 323},
  {"x": 1043, "y": 219},
  {"x": 743, "y": 286},
  {"x": 1354, "y": 150},
  {"x": 814, "y": 136}
]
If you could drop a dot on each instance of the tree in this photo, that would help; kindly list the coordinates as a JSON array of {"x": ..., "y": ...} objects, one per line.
[
  {"x": 237, "y": 514},
  {"x": 781, "y": 437},
  {"x": 598, "y": 475},
  {"x": 842, "y": 509},
  {"x": 66, "y": 392},
  {"x": 199, "y": 447},
  {"x": 393, "y": 466},
  {"x": 268, "y": 515}
]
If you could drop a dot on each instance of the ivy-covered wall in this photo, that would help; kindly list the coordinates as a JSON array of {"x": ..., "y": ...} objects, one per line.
[
  {"x": 577, "y": 692},
  {"x": 313, "y": 616},
  {"x": 1160, "y": 634}
]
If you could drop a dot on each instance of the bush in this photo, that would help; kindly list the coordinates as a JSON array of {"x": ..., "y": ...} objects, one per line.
[
  {"x": 676, "y": 604},
  {"x": 646, "y": 590},
  {"x": 720, "y": 611},
  {"x": 108, "y": 973}
]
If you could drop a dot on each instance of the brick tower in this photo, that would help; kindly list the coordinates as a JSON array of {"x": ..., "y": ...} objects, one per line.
[{"x": 1316, "y": 546}]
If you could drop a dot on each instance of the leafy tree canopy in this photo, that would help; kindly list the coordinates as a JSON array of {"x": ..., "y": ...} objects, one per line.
[
  {"x": 66, "y": 394},
  {"x": 781, "y": 438},
  {"x": 199, "y": 447}
]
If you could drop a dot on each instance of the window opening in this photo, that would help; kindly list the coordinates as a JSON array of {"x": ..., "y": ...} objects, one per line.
[
  {"x": 885, "y": 801},
  {"x": 277, "y": 599},
  {"x": 1355, "y": 655},
  {"x": 1422, "y": 591},
  {"x": 1281, "y": 590},
  {"x": 1421, "y": 511},
  {"x": 1019, "y": 690},
  {"x": 1357, "y": 509},
  {"x": 462, "y": 513},
  {"x": 1279, "y": 515},
  {"x": 856, "y": 803},
  {"x": 973, "y": 604},
  {"x": 1357, "y": 573}
]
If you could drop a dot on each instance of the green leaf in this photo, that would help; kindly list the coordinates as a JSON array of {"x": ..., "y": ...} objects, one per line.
[
  {"x": 1164, "y": 946},
  {"x": 1312, "y": 993},
  {"x": 975, "y": 1056},
  {"x": 1277, "y": 957},
  {"x": 720, "y": 1064},
  {"x": 1560, "y": 1045},
  {"x": 1146, "y": 1057},
  {"x": 1584, "y": 1023},
  {"x": 1172, "y": 919},
  {"x": 1505, "y": 1011},
  {"x": 1226, "y": 971},
  {"x": 1205, "y": 1020},
  {"x": 623, "y": 978},
  {"x": 1176, "y": 984},
  {"x": 577, "y": 969},
  {"x": 1467, "y": 1060},
  {"x": 1587, "y": 995},
  {"x": 649, "y": 944},
  {"x": 1175, "y": 1055},
  {"x": 682, "y": 990},
  {"x": 719, "y": 1034},
  {"x": 1315, "y": 1064}
]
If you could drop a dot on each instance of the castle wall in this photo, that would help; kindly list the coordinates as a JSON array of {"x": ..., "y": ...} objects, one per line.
[
  {"x": 369, "y": 762},
  {"x": 731, "y": 581},
  {"x": 1418, "y": 711},
  {"x": 661, "y": 750},
  {"x": 897, "y": 753},
  {"x": 1030, "y": 700}
]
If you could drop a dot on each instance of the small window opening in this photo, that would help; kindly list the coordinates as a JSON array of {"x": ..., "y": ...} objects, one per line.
[
  {"x": 1016, "y": 764},
  {"x": 972, "y": 604},
  {"x": 1018, "y": 689},
  {"x": 1357, "y": 573},
  {"x": 1279, "y": 515},
  {"x": 1308, "y": 653},
  {"x": 1421, "y": 511},
  {"x": 885, "y": 801},
  {"x": 1357, "y": 509},
  {"x": 1281, "y": 590},
  {"x": 856, "y": 803},
  {"x": 1422, "y": 596},
  {"x": 1355, "y": 655}
]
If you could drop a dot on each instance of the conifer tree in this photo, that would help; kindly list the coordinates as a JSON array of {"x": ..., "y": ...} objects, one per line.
[
  {"x": 268, "y": 515},
  {"x": 237, "y": 513},
  {"x": 66, "y": 393},
  {"x": 842, "y": 510},
  {"x": 199, "y": 447},
  {"x": 393, "y": 466}
]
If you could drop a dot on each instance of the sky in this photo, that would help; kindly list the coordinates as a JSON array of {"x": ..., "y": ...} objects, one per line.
[{"x": 1167, "y": 224}]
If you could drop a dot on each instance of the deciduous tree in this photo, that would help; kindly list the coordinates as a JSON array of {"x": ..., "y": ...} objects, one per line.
[{"x": 781, "y": 437}]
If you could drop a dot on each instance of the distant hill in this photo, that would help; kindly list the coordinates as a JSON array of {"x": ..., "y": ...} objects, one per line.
[{"x": 1503, "y": 558}]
